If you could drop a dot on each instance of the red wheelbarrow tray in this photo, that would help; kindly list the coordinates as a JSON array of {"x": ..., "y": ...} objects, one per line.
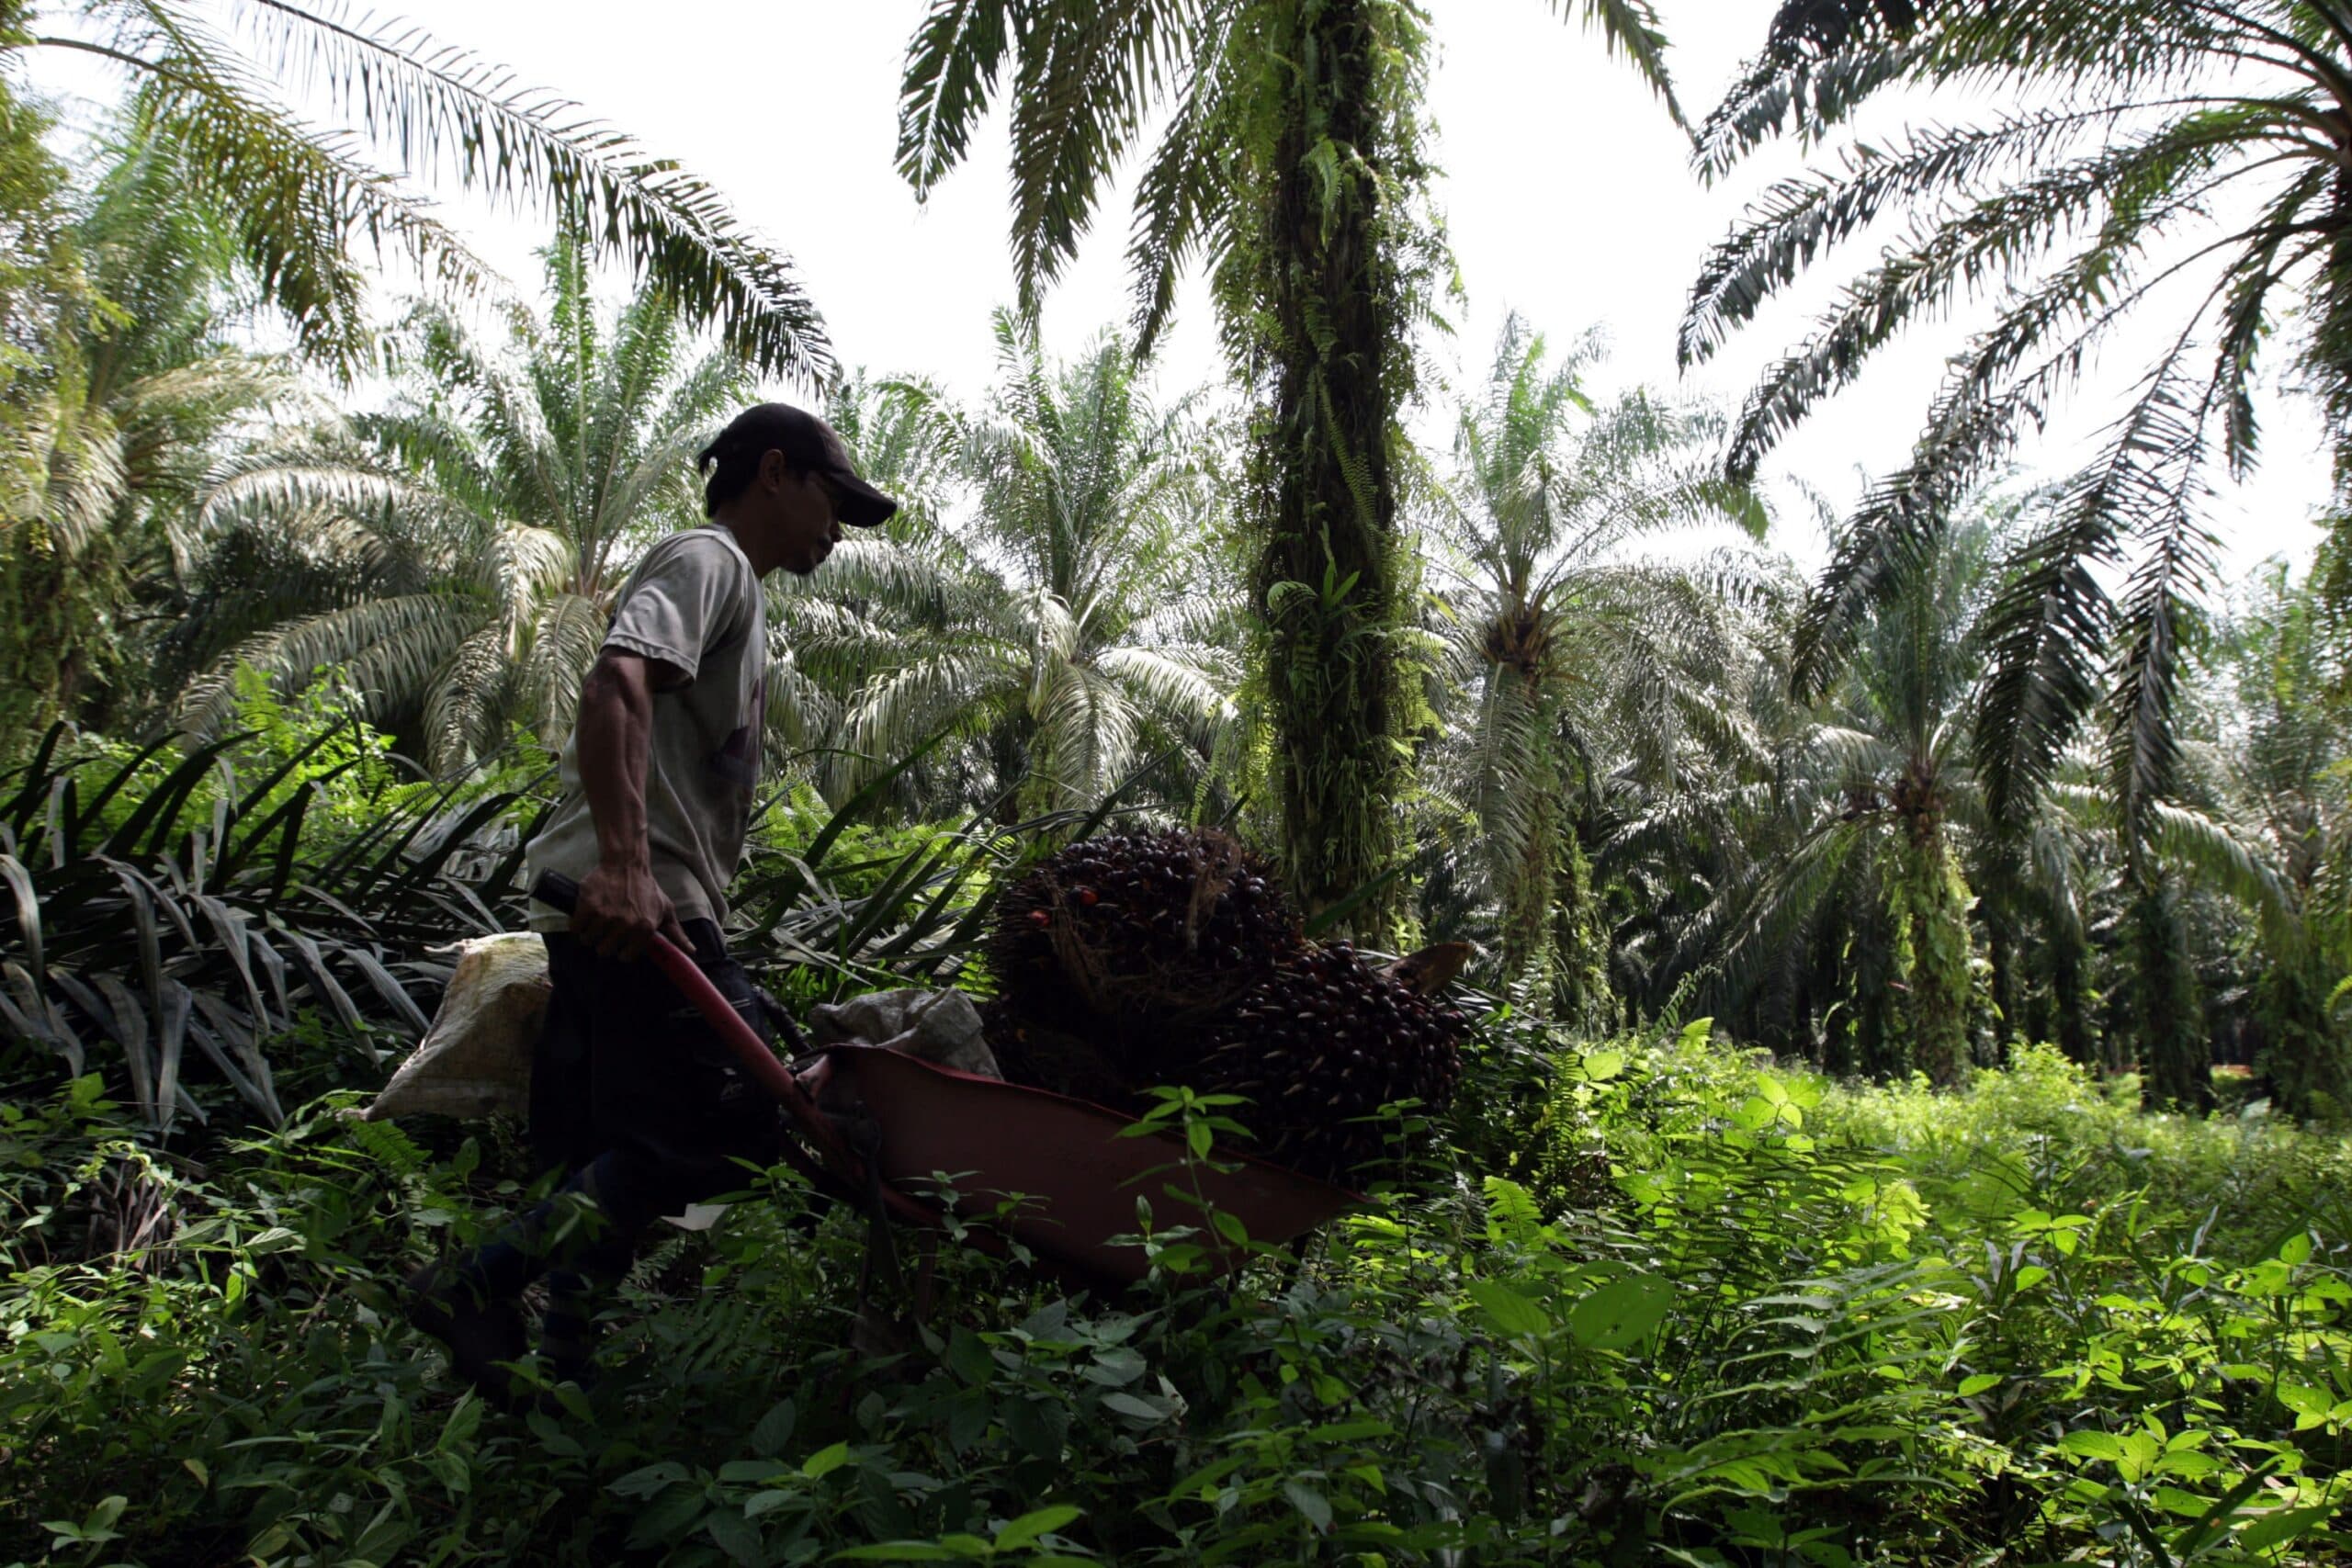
[{"x": 1068, "y": 1158}]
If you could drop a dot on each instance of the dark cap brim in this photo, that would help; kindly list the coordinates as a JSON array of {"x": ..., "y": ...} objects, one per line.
[{"x": 861, "y": 506}]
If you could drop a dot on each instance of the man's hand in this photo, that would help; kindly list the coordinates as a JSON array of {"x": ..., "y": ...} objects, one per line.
[{"x": 620, "y": 909}]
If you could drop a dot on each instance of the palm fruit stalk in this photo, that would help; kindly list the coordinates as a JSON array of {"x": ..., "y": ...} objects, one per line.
[{"x": 1324, "y": 1041}]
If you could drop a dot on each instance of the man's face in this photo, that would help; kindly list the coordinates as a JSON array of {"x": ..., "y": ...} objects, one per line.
[{"x": 800, "y": 514}]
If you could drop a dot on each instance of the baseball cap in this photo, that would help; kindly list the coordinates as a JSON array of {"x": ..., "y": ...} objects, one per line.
[{"x": 809, "y": 446}]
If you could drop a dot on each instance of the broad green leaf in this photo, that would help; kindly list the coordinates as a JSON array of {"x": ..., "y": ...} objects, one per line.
[
  {"x": 648, "y": 1480},
  {"x": 900, "y": 1551},
  {"x": 775, "y": 1429},
  {"x": 1619, "y": 1315},
  {"x": 825, "y": 1461},
  {"x": 1139, "y": 1408},
  {"x": 737, "y": 1469},
  {"x": 2091, "y": 1444},
  {"x": 2304, "y": 1400},
  {"x": 739, "y": 1538},
  {"x": 1599, "y": 1066},
  {"x": 1030, "y": 1525},
  {"x": 2272, "y": 1531},
  {"x": 1311, "y": 1504},
  {"x": 1509, "y": 1312}
]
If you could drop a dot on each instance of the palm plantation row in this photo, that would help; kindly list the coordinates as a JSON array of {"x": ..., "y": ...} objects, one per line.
[{"x": 1545, "y": 688}]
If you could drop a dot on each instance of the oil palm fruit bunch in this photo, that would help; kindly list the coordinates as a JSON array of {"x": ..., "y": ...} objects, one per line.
[
  {"x": 1153, "y": 932},
  {"x": 1323, "y": 1041}
]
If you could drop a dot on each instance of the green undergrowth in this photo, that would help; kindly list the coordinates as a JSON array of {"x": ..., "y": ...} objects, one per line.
[{"x": 1668, "y": 1305}]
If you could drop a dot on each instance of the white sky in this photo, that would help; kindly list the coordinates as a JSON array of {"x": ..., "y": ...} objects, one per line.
[{"x": 1567, "y": 190}]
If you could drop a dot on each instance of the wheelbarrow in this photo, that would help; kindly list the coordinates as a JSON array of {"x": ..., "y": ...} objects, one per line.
[{"x": 1061, "y": 1174}]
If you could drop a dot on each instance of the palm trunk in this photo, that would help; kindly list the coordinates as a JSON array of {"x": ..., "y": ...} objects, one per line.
[
  {"x": 1526, "y": 900},
  {"x": 1009, "y": 746},
  {"x": 2070, "y": 1000},
  {"x": 1876, "y": 955},
  {"x": 1581, "y": 996},
  {"x": 2301, "y": 1051},
  {"x": 2332, "y": 350},
  {"x": 1327, "y": 577},
  {"x": 2008, "y": 1003},
  {"x": 2175, "y": 1053},
  {"x": 60, "y": 648},
  {"x": 1935, "y": 911}
]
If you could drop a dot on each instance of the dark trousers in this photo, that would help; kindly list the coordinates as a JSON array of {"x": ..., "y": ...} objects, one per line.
[{"x": 631, "y": 1081}]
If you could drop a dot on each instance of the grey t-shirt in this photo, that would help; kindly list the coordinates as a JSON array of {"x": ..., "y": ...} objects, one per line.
[{"x": 693, "y": 602}]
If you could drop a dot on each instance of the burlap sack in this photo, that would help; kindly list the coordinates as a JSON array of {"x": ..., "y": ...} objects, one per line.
[
  {"x": 936, "y": 1026},
  {"x": 476, "y": 1059}
]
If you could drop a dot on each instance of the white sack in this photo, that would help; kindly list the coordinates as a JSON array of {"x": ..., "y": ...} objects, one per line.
[{"x": 476, "y": 1059}]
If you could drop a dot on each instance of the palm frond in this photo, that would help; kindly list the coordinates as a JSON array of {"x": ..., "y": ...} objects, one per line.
[
  {"x": 1756, "y": 925},
  {"x": 1631, "y": 28},
  {"x": 952, "y": 66},
  {"x": 568, "y": 631},
  {"x": 1083, "y": 81},
  {"x": 390, "y": 648},
  {"x": 443, "y": 110},
  {"x": 2047, "y": 630},
  {"x": 1179, "y": 211}
]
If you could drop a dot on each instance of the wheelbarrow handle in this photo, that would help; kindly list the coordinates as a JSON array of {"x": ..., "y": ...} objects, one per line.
[{"x": 559, "y": 891}]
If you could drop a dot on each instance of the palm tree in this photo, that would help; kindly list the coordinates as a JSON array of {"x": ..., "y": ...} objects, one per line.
[
  {"x": 2183, "y": 167},
  {"x": 1068, "y": 633},
  {"x": 460, "y": 564},
  {"x": 1566, "y": 648},
  {"x": 1291, "y": 164},
  {"x": 124, "y": 393},
  {"x": 1862, "y": 818},
  {"x": 884, "y": 591},
  {"x": 2276, "y": 751},
  {"x": 302, "y": 203}
]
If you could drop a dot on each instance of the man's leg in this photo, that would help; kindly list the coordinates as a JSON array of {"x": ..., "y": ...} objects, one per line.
[
  {"x": 664, "y": 1096},
  {"x": 472, "y": 1304},
  {"x": 678, "y": 1113}
]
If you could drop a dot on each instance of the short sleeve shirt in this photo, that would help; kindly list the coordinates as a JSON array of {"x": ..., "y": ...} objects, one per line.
[{"x": 694, "y": 603}]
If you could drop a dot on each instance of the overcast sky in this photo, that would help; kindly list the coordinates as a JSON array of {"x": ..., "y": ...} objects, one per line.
[{"x": 1567, "y": 190}]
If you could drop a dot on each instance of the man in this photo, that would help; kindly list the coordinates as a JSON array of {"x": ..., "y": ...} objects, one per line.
[{"x": 632, "y": 1092}]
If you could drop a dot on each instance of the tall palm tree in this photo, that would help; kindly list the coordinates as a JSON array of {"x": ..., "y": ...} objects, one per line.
[
  {"x": 1565, "y": 645},
  {"x": 2181, "y": 165},
  {"x": 461, "y": 563},
  {"x": 2278, "y": 750},
  {"x": 1067, "y": 631},
  {"x": 1865, "y": 812},
  {"x": 126, "y": 392},
  {"x": 1291, "y": 164},
  {"x": 304, "y": 202}
]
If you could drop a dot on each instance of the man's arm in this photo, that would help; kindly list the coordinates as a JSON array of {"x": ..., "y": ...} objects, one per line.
[{"x": 620, "y": 904}]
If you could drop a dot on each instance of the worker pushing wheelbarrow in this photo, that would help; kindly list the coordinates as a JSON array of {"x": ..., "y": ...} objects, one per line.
[
  {"x": 637, "y": 1096},
  {"x": 655, "y": 1078}
]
